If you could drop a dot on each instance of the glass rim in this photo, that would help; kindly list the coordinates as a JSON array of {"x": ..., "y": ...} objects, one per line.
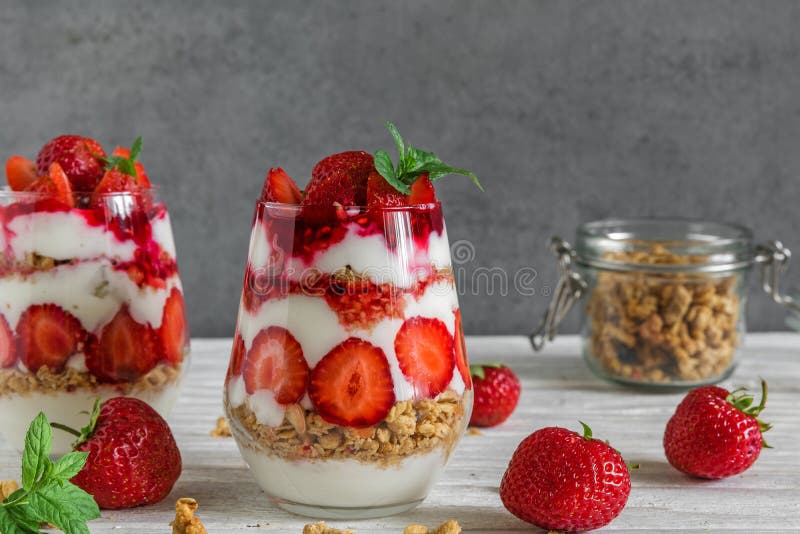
[
  {"x": 299, "y": 208},
  {"x": 7, "y": 192}
]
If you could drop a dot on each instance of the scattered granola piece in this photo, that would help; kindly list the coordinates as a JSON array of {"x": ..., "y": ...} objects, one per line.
[
  {"x": 7, "y": 487},
  {"x": 450, "y": 526},
  {"x": 472, "y": 431},
  {"x": 222, "y": 430},
  {"x": 185, "y": 522},
  {"x": 322, "y": 528}
]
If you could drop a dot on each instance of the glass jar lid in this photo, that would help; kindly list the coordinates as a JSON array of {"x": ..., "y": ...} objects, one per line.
[{"x": 664, "y": 245}]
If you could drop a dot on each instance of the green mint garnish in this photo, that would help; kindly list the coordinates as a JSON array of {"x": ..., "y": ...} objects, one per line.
[
  {"x": 126, "y": 165},
  {"x": 47, "y": 495},
  {"x": 411, "y": 163}
]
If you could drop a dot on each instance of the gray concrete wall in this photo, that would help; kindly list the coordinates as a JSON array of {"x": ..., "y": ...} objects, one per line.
[{"x": 567, "y": 110}]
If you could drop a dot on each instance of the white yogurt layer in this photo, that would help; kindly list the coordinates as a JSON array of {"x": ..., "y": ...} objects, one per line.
[
  {"x": 90, "y": 290},
  {"x": 364, "y": 254},
  {"x": 161, "y": 228},
  {"x": 65, "y": 235},
  {"x": 318, "y": 330},
  {"x": 62, "y": 407},
  {"x": 325, "y": 483}
]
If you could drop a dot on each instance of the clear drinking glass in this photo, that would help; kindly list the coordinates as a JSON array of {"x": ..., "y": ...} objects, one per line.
[
  {"x": 348, "y": 386},
  {"x": 91, "y": 305}
]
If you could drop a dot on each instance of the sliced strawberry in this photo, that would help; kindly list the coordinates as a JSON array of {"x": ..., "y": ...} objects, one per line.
[
  {"x": 114, "y": 181},
  {"x": 382, "y": 193},
  {"x": 20, "y": 172},
  {"x": 426, "y": 354},
  {"x": 461, "y": 352},
  {"x": 422, "y": 191},
  {"x": 125, "y": 351},
  {"x": 173, "y": 331},
  {"x": 55, "y": 184},
  {"x": 48, "y": 335},
  {"x": 8, "y": 347},
  {"x": 279, "y": 187},
  {"x": 141, "y": 175},
  {"x": 275, "y": 362},
  {"x": 80, "y": 157},
  {"x": 352, "y": 385},
  {"x": 237, "y": 357},
  {"x": 340, "y": 178}
]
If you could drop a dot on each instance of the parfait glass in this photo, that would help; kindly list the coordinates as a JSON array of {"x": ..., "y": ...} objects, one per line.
[
  {"x": 348, "y": 386},
  {"x": 91, "y": 305}
]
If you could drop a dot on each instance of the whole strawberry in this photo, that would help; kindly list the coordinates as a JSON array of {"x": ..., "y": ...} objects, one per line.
[
  {"x": 560, "y": 480},
  {"x": 715, "y": 433},
  {"x": 496, "y": 390},
  {"x": 82, "y": 159},
  {"x": 133, "y": 458}
]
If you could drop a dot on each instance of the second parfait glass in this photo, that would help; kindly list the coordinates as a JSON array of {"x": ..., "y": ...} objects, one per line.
[{"x": 348, "y": 386}]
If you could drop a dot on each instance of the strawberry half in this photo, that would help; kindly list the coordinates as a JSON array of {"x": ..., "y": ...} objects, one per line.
[
  {"x": 279, "y": 187},
  {"x": 141, "y": 175},
  {"x": 54, "y": 184},
  {"x": 275, "y": 362},
  {"x": 352, "y": 385},
  {"x": 422, "y": 191},
  {"x": 125, "y": 351},
  {"x": 426, "y": 354},
  {"x": 80, "y": 157},
  {"x": 461, "y": 352},
  {"x": 237, "y": 357},
  {"x": 20, "y": 173},
  {"x": 48, "y": 336},
  {"x": 340, "y": 178},
  {"x": 381, "y": 193},
  {"x": 8, "y": 347},
  {"x": 173, "y": 331}
]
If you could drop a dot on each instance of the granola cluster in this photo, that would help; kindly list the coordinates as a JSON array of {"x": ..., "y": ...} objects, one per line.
[
  {"x": 411, "y": 427},
  {"x": 17, "y": 382},
  {"x": 7, "y": 487},
  {"x": 185, "y": 521},
  {"x": 661, "y": 328}
]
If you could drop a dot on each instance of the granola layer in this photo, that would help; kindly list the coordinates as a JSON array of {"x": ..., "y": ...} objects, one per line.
[
  {"x": 16, "y": 382},
  {"x": 411, "y": 427}
]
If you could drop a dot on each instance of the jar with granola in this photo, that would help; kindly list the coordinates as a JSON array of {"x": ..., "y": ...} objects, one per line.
[{"x": 663, "y": 300}]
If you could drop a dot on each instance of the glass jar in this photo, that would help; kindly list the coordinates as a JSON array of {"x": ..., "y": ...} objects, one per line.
[
  {"x": 348, "y": 386},
  {"x": 91, "y": 305},
  {"x": 663, "y": 300}
]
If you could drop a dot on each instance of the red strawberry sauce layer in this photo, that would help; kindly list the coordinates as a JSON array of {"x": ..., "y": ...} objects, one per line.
[{"x": 150, "y": 266}]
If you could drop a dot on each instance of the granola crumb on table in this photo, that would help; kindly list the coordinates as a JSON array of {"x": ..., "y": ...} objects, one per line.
[
  {"x": 7, "y": 487},
  {"x": 322, "y": 528},
  {"x": 450, "y": 526},
  {"x": 185, "y": 521},
  {"x": 222, "y": 430}
]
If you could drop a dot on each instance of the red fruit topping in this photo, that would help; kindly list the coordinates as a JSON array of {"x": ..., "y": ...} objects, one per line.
[
  {"x": 422, "y": 191},
  {"x": 715, "y": 433},
  {"x": 125, "y": 351},
  {"x": 48, "y": 335},
  {"x": 54, "y": 184},
  {"x": 141, "y": 175},
  {"x": 560, "y": 480},
  {"x": 133, "y": 458},
  {"x": 8, "y": 347},
  {"x": 340, "y": 178},
  {"x": 352, "y": 385},
  {"x": 20, "y": 172},
  {"x": 426, "y": 354},
  {"x": 174, "y": 333},
  {"x": 80, "y": 157},
  {"x": 496, "y": 394},
  {"x": 116, "y": 181},
  {"x": 381, "y": 193},
  {"x": 279, "y": 187},
  {"x": 275, "y": 362},
  {"x": 237, "y": 357},
  {"x": 461, "y": 352}
]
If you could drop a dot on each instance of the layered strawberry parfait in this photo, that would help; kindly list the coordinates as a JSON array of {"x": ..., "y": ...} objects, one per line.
[
  {"x": 348, "y": 385},
  {"x": 90, "y": 299}
]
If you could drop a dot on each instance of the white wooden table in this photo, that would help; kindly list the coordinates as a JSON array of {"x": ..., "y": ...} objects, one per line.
[{"x": 557, "y": 389}]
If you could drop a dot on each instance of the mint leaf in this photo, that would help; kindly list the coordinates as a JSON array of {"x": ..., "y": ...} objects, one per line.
[
  {"x": 69, "y": 465},
  {"x": 36, "y": 457},
  {"x": 136, "y": 149},
  {"x": 63, "y": 504},
  {"x": 15, "y": 520},
  {"x": 397, "y": 139},
  {"x": 437, "y": 169},
  {"x": 383, "y": 164}
]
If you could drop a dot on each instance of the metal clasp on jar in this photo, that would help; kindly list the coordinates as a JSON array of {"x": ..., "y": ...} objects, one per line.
[{"x": 774, "y": 260}]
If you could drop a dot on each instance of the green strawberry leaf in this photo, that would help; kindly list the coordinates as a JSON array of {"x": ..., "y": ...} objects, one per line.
[
  {"x": 69, "y": 465},
  {"x": 36, "y": 457},
  {"x": 587, "y": 432}
]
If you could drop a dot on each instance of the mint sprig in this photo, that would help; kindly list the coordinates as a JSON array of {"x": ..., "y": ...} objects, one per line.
[
  {"x": 413, "y": 162},
  {"x": 126, "y": 165},
  {"x": 47, "y": 495}
]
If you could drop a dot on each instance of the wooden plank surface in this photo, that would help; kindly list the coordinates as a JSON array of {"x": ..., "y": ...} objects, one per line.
[{"x": 557, "y": 390}]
